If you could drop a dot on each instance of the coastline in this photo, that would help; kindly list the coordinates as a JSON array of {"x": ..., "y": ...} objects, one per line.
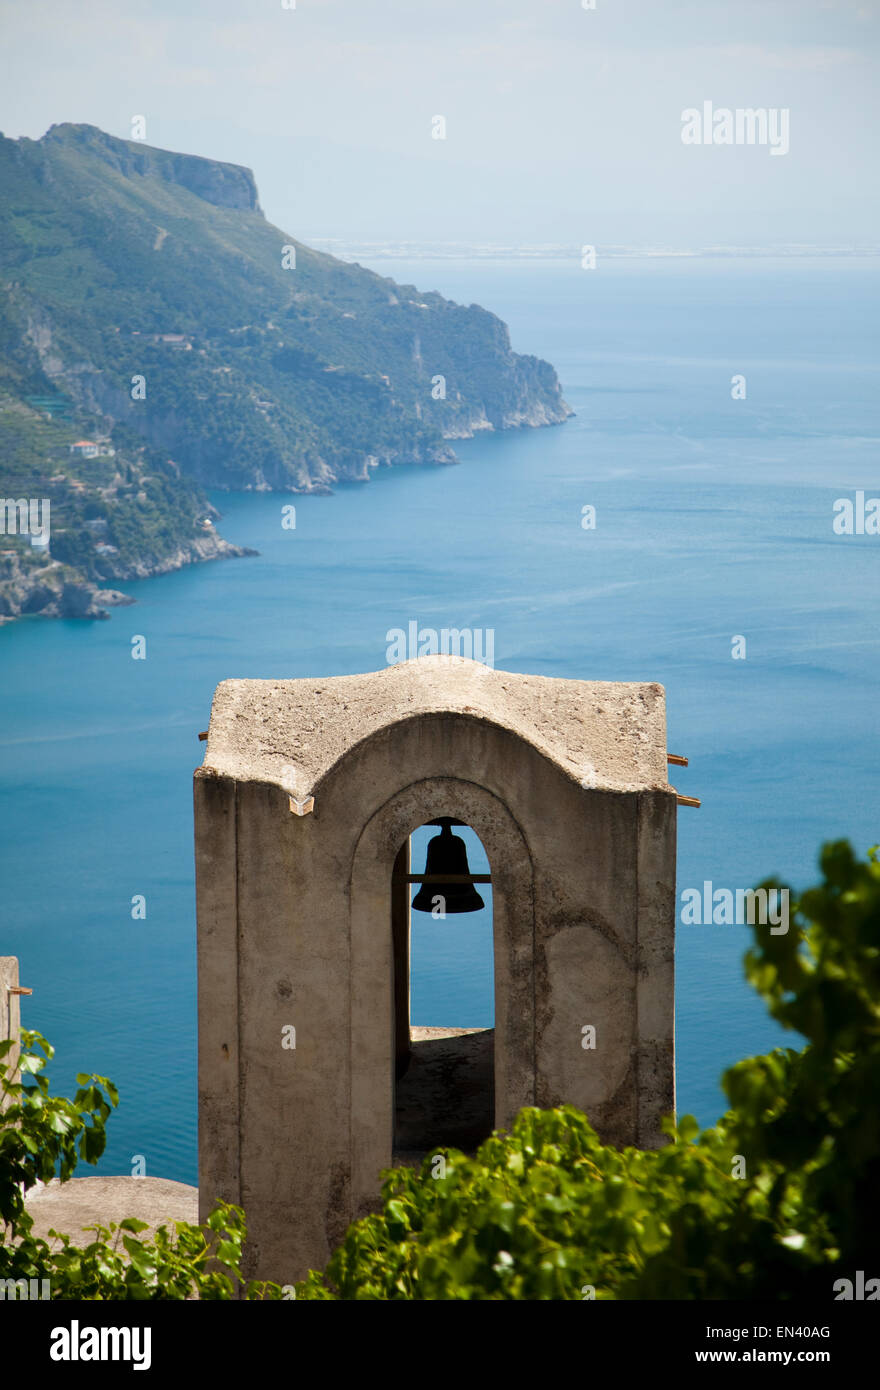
[{"x": 56, "y": 590}]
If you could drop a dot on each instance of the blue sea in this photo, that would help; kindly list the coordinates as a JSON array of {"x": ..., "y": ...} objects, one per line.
[{"x": 713, "y": 522}]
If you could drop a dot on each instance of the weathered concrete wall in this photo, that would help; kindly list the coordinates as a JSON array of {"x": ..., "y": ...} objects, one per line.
[
  {"x": 10, "y": 1016},
  {"x": 295, "y": 921},
  {"x": 219, "y": 1066}
]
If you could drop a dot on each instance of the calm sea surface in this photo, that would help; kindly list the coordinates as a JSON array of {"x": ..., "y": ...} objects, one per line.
[{"x": 714, "y": 521}]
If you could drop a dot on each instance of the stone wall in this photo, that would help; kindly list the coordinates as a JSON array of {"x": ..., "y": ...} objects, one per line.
[{"x": 10, "y": 1016}]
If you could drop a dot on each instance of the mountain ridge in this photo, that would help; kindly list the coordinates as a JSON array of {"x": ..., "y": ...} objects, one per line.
[
  {"x": 150, "y": 302},
  {"x": 216, "y": 181}
]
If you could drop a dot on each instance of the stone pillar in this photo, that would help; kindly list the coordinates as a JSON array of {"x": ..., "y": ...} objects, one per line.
[
  {"x": 400, "y": 932},
  {"x": 10, "y": 1017}
]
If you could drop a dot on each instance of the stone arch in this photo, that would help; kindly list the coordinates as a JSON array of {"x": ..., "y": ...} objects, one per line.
[{"x": 372, "y": 961}]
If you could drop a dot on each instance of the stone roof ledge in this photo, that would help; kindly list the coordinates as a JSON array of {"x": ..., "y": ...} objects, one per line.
[{"x": 607, "y": 735}]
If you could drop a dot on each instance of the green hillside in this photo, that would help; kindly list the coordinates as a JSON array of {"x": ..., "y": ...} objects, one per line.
[{"x": 147, "y": 306}]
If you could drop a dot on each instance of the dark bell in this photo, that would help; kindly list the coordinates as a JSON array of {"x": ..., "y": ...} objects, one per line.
[{"x": 447, "y": 854}]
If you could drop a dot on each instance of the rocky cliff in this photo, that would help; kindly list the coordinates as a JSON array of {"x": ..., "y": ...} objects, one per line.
[
  {"x": 223, "y": 185},
  {"x": 148, "y": 305}
]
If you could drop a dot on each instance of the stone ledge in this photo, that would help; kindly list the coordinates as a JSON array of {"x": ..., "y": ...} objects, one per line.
[
  {"x": 80, "y": 1202},
  {"x": 609, "y": 735}
]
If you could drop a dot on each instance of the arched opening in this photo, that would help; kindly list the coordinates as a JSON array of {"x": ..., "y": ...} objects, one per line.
[
  {"x": 444, "y": 991},
  {"x": 378, "y": 933}
]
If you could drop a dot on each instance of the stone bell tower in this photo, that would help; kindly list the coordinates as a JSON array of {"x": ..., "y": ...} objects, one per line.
[{"x": 304, "y": 806}]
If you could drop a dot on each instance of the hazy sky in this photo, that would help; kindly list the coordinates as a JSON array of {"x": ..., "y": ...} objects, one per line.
[{"x": 562, "y": 124}]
